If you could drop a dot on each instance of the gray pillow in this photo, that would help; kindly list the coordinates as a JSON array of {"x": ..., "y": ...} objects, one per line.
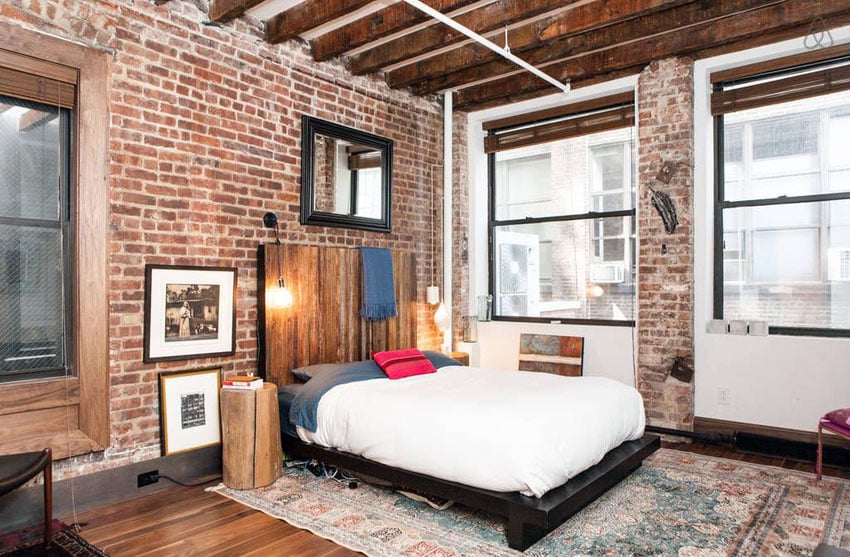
[{"x": 307, "y": 372}]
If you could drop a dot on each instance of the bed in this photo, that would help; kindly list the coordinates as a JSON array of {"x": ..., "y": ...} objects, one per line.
[
  {"x": 532, "y": 505},
  {"x": 532, "y": 447}
]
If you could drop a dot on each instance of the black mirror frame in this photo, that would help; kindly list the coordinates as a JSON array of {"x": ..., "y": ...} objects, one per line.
[{"x": 310, "y": 126}]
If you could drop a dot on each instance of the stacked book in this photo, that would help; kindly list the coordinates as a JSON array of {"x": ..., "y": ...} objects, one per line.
[{"x": 248, "y": 382}]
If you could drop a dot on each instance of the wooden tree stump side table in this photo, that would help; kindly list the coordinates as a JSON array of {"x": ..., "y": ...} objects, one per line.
[{"x": 252, "y": 455}]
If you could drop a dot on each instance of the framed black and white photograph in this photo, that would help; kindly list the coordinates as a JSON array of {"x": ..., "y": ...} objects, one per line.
[
  {"x": 189, "y": 409},
  {"x": 190, "y": 312}
]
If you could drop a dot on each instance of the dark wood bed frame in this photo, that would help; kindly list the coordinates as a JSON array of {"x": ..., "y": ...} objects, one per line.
[
  {"x": 528, "y": 518},
  {"x": 323, "y": 326}
]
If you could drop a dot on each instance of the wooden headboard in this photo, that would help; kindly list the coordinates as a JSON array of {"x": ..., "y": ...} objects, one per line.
[{"x": 323, "y": 325}]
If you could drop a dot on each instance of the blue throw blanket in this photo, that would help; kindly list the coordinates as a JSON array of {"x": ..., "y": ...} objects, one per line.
[
  {"x": 305, "y": 406},
  {"x": 378, "y": 286}
]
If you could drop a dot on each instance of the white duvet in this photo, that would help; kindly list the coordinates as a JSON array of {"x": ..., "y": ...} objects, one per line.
[{"x": 493, "y": 429}]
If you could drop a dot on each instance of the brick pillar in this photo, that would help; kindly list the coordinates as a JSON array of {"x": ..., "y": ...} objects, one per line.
[
  {"x": 666, "y": 278},
  {"x": 460, "y": 225}
]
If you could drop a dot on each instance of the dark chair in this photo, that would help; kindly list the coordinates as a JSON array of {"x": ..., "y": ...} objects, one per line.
[{"x": 18, "y": 469}]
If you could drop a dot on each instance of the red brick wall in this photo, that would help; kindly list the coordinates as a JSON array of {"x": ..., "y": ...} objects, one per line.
[
  {"x": 460, "y": 226},
  {"x": 665, "y": 273},
  {"x": 205, "y": 138}
]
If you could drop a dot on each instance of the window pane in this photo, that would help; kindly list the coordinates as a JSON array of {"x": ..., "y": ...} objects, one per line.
[
  {"x": 790, "y": 276},
  {"x": 555, "y": 270},
  {"x": 29, "y": 155},
  {"x": 559, "y": 178},
  {"x": 794, "y": 148},
  {"x": 785, "y": 136},
  {"x": 369, "y": 187},
  {"x": 31, "y": 317}
]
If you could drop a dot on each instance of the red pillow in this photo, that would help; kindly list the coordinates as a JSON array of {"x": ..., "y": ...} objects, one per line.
[{"x": 398, "y": 364}]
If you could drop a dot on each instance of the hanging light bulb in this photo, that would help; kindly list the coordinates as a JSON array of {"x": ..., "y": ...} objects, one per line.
[
  {"x": 441, "y": 318},
  {"x": 279, "y": 297}
]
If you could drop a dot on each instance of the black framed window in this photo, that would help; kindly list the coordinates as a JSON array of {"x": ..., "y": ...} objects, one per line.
[
  {"x": 562, "y": 214},
  {"x": 35, "y": 238},
  {"x": 782, "y": 196}
]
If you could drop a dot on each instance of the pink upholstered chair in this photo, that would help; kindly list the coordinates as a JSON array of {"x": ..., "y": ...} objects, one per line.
[{"x": 837, "y": 422}]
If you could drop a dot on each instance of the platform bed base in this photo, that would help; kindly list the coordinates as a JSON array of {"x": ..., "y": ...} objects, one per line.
[{"x": 528, "y": 518}]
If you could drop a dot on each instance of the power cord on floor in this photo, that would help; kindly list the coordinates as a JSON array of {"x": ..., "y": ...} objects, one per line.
[{"x": 199, "y": 481}]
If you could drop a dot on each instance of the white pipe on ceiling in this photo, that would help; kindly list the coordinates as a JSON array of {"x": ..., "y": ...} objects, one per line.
[{"x": 504, "y": 52}]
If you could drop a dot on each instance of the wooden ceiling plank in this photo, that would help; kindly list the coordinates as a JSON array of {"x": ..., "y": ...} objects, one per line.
[
  {"x": 308, "y": 15},
  {"x": 376, "y": 26},
  {"x": 535, "y": 36},
  {"x": 757, "y": 27},
  {"x": 571, "y": 46},
  {"x": 483, "y": 20},
  {"x": 223, "y": 11}
]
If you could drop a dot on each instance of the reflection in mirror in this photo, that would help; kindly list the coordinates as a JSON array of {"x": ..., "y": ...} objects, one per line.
[{"x": 346, "y": 176}]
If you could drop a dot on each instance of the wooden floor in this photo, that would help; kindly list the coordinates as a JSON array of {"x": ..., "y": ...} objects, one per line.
[{"x": 188, "y": 521}]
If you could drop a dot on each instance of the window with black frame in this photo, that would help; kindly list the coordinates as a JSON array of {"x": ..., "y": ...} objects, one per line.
[
  {"x": 562, "y": 213},
  {"x": 35, "y": 132},
  {"x": 782, "y": 195}
]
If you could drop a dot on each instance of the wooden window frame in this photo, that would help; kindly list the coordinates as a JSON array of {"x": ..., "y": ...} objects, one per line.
[{"x": 71, "y": 414}]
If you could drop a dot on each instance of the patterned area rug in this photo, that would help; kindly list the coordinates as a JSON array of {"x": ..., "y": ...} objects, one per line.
[
  {"x": 30, "y": 543},
  {"x": 677, "y": 503}
]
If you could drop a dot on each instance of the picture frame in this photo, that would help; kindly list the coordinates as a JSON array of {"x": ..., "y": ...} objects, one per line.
[
  {"x": 189, "y": 410},
  {"x": 190, "y": 312}
]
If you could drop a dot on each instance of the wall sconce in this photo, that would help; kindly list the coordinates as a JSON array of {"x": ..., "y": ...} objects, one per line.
[{"x": 278, "y": 296}]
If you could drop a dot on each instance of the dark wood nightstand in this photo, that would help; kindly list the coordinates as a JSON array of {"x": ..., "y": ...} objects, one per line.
[{"x": 462, "y": 357}]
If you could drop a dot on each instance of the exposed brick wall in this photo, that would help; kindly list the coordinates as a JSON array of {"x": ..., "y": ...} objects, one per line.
[
  {"x": 460, "y": 225},
  {"x": 665, "y": 275},
  {"x": 204, "y": 139}
]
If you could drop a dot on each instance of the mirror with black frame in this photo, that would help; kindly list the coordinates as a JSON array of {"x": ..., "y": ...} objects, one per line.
[{"x": 346, "y": 176}]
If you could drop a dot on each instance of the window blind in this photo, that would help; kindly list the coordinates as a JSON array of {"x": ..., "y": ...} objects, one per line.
[
  {"x": 544, "y": 126},
  {"x": 789, "y": 79},
  {"x": 37, "y": 80}
]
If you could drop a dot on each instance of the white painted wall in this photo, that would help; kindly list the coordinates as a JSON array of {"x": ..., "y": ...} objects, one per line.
[
  {"x": 779, "y": 381},
  {"x": 608, "y": 351}
]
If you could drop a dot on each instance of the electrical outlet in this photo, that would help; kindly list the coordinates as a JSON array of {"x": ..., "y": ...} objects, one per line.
[
  {"x": 148, "y": 478},
  {"x": 723, "y": 396}
]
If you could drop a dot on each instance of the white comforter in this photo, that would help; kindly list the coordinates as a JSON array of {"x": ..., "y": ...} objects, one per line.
[{"x": 497, "y": 430}]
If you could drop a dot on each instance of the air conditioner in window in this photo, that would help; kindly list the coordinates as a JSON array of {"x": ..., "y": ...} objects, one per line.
[
  {"x": 838, "y": 263},
  {"x": 607, "y": 272}
]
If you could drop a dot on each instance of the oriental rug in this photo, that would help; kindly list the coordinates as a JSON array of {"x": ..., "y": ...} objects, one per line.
[
  {"x": 65, "y": 542},
  {"x": 677, "y": 503}
]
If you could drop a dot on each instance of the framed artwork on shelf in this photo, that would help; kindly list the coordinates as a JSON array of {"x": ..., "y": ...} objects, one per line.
[
  {"x": 190, "y": 312},
  {"x": 189, "y": 409}
]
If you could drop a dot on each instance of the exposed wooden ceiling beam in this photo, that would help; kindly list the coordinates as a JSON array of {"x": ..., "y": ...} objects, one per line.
[
  {"x": 761, "y": 26},
  {"x": 223, "y": 11},
  {"x": 571, "y": 46},
  {"x": 308, "y": 15},
  {"x": 483, "y": 20},
  {"x": 376, "y": 26},
  {"x": 532, "y": 37}
]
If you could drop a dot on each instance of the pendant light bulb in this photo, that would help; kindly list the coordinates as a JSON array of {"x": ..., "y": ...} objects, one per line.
[
  {"x": 441, "y": 318},
  {"x": 279, "y": 296}
]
